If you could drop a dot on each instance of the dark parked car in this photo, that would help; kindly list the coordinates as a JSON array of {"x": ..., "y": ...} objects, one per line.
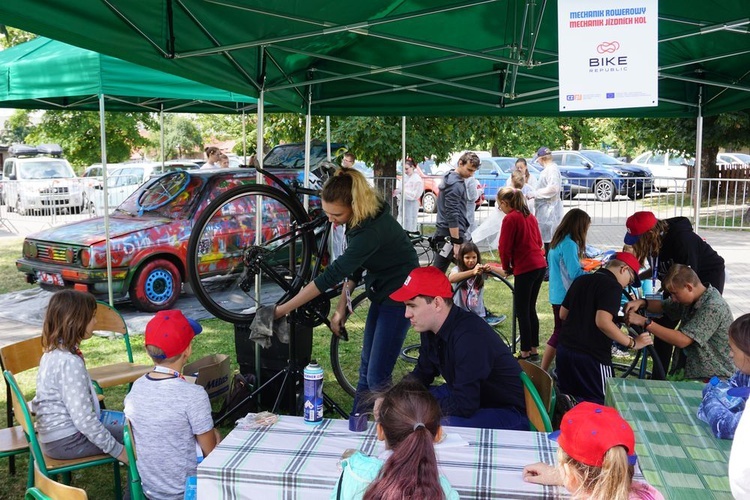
[
  {"x": 591, "y": 171},
  {"x": 148, "y": 241}
]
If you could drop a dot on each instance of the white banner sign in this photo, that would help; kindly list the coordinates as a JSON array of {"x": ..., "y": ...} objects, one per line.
[{"x": 608, "y": 54}]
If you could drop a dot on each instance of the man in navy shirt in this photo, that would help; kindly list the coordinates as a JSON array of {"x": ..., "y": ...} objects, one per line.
[{"x": 482, "y": 378}]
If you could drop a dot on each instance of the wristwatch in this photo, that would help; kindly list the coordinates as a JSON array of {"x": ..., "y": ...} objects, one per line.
[{"x": 647, "y": 323}]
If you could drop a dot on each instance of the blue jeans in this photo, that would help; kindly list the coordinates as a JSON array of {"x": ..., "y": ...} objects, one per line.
[
  {"x": 385, "y": 331},
  {"x": 483, "y": 418}
]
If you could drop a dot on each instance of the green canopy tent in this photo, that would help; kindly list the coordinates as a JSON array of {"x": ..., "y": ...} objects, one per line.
[
  {"x": 47, "y": 74},
  {"x": 388, "y": 57},
  {"x": 398, "y": 57}
]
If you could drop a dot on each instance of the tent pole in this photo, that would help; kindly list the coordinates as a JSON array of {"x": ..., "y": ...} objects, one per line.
[
  {"x": 308, "y": 125},
  {"x": 108, "y": 242},
  {"x": 258, "y": 214},
  {"x": 403, "y": 170},
  {"x": 161, "y": 134},
  {"x": 698, "y": 157},
  {"x": 328, "y": 137},
  {"x": 244, "y": 137}
]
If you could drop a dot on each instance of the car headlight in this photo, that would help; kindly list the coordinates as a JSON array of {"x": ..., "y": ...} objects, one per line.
[
  {"x": 85, "y": 257},
  {"x": 621, "y": 173},
  {"x": 30, "y": 250}
]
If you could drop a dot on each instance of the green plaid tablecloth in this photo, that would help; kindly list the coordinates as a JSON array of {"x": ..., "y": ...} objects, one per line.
[
  {"x": 676, "y": 451},
  {"x": 293, "y": 460}
]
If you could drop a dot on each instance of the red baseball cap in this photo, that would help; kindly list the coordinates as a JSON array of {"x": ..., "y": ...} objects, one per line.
[
  {"x": 588, "y": 431},
  {"x": 171, "y": 332},
  {"x": 429, "y": 281},
  {"x": 637, "y": 224},
  {"x": 632, "y": 262}
]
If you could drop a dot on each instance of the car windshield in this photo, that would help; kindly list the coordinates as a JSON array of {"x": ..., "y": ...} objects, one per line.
[
  {"x": 45, "y": 170},
  {"x": 505, "y": 164},
  {"x": 678, "y": 160},
  {"x": 175, "y": 209},
  {"x": 293, "y": 155},
  {"x": 601, "y": 158},
  {"x": 428, "y": 167},
  {"x": 742, "y": 157}
]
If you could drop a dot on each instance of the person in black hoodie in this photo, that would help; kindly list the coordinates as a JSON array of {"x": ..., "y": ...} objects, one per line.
[
  {"x": 664, "y": 242},
  {"x": 451, "y": 220}
]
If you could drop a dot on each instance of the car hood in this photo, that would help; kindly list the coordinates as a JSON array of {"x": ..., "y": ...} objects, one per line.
[
  {"x": 91, "y": 231},
  {"x": 638, "y": 171}
]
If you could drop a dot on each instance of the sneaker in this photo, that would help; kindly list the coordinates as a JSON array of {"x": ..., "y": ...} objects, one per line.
[{"x": 493, "y": 320}]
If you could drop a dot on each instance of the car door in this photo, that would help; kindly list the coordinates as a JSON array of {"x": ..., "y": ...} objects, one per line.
[
  {"x": 489, "y": 177},
  {"x": 573, "y": 168}
]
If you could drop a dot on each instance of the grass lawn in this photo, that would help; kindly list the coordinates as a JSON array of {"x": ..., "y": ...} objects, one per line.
[
  {"x": 12, "y": 280},
  {"x": 217, "y": 337}
]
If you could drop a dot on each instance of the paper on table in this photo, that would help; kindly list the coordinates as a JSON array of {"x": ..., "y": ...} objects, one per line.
[{"x": 451, "y": 440}]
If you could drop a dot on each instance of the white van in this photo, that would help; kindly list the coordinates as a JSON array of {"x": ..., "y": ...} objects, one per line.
[{"x": 38, "y": 179}]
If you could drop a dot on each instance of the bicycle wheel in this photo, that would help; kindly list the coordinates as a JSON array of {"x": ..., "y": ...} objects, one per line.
[
  {"x": 224, "y": 259},
  {"x": 346, "y": 355}
]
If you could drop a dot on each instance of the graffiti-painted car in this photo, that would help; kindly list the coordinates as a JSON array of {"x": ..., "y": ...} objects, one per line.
[{"x": 148, "y": 240}]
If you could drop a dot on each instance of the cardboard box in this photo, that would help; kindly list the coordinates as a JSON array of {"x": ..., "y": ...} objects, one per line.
[{"x": 212, "y": 372}]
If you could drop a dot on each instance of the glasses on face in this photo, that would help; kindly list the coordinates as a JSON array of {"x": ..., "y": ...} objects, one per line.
[{"x": 631, "y": 274}]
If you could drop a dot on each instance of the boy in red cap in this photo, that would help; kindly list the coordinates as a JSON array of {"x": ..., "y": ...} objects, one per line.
[
  {"x": 588, "y": 312},
  {"x": 664, "y": 242},
  {"x": 482, "y": 378},
  {"x": 169, "y": 415},
  {"x": 596, "y": 457}
]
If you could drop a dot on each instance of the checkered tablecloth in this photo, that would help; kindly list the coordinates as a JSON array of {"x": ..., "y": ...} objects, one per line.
[
  {"x": 676, "y": 451},
  {"x": 293, "y": 460}
]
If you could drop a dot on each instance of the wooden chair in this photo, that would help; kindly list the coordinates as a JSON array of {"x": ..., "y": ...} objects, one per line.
[
  {"x": 47, "y": 489},
  {"x": 17, "y": 358},
  {"x": 50, "y": 466},
  {"x": 544, "y": 384},
  {"x": 126, "y": 372},
  {"x": 535, "y": 410},
  {"x": 134, "y": 477}
]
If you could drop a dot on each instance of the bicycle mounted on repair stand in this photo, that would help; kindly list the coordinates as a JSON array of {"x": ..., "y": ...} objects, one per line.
[{"x": 257, "y": 245}]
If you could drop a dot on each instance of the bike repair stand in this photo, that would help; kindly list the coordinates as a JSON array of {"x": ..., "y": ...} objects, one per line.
[{"x": 292, "y": 374}]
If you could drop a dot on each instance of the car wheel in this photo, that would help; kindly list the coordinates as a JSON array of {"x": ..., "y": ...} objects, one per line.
[
  {"x": 156, "y": 286},
  {"x": 429, "y": 203},
  {"x": 604, "y": 190}
]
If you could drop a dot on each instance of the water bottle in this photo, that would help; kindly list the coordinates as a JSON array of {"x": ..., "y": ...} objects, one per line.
[
  {"x": 446, "y": 250},
  {"x": 313, "y": 393},
  {"x": 720, "y": 388}
]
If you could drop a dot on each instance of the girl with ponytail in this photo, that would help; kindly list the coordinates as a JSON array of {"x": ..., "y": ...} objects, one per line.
[
  {"x": 408, "y": 421},
  {"x": 376, "y": 243}
]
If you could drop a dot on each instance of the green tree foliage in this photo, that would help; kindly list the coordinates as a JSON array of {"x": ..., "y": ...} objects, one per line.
[
  {"x": 728, "y": 130},
  {"x": 514, "y": 136},
  {"x": 181, "y": 136},
  {"x": 78, "y": 133},
  {"x": 10, "y": 37},
  {"x": 17, "y": 127}
]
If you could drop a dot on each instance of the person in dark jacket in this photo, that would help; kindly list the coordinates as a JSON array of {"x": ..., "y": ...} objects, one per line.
[
  {"x": 376, "y": 243},
  {"x": 660, "y": 243},
  {"x": 451, "y": 218},
  {"x": 482, "y": 378}
]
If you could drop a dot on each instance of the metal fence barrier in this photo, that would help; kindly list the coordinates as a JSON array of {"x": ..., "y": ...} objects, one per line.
[{"x": 725, "y": 204}]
